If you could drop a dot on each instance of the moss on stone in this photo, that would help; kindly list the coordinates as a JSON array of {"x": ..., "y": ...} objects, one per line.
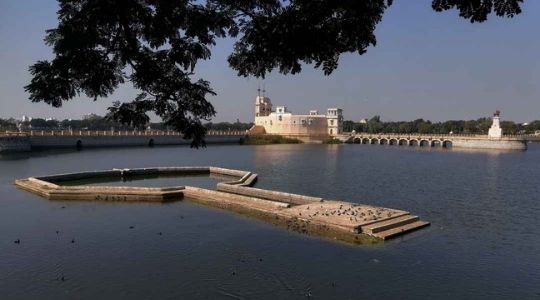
[
  {"x": 269, "y": 140},
  {"x": 332, "y": 141}
]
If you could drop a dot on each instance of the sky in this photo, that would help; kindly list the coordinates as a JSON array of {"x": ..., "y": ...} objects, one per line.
[{"x": 428, "y": 65}]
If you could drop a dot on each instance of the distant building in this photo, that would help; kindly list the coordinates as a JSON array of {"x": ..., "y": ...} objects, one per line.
[
  {"x": 495, "y": 131},
  {"x": 282, "y": 122},
  {"x": 363, "y": 121},
  {"x": 90, "y": 116},
  {"x": 334, "y": 117},
  {"x": 26, "y": 118}
]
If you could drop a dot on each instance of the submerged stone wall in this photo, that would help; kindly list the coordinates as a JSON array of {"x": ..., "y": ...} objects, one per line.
[{"x": 267, "y": 194}]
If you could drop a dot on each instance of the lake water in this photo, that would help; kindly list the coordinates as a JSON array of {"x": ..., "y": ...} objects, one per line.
[{"x": 484, "y": 241}]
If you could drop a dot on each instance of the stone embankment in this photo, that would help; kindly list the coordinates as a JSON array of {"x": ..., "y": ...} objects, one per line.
[
  {"x": 20, "y": 142},
  {"x": 351, "y": 222},
  {"x": 14, "y": 143},
  {"x": 501, "y": 144}
]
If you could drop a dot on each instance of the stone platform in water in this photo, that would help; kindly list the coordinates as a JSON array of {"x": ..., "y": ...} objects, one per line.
[
  {"x": 376, "y": 221},
  {"x": 340, "y": 220}
]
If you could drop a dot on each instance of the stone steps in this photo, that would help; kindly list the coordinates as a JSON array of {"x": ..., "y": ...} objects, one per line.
[
  {"x": 389, "y": 224},
  {"x": 399, "y": 230}
]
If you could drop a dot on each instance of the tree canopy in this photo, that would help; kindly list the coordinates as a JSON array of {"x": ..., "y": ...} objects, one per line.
[
  {"x": 479, "y": 126},
  {"x": 155, "y": 45}
]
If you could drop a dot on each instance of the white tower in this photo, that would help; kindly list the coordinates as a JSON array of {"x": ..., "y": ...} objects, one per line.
[
  {"x": 495, "y": 132},
  {"x": 334, "y": 119},
  {"x": 263, "y": 105}
]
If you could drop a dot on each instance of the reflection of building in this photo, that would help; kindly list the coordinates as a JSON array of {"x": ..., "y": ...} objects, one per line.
[
  {"x": 282, "y": 122},
  {"x": 495, "y": 131}
]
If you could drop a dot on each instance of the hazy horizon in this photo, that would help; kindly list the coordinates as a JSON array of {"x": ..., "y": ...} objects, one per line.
[{"x": 429, "y": 65}]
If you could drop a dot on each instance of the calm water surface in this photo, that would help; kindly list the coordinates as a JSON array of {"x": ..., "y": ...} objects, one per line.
[{"x": 484, "y": 242}]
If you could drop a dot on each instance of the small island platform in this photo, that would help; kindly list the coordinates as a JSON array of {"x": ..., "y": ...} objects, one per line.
[{"x": 345, "y": 221}]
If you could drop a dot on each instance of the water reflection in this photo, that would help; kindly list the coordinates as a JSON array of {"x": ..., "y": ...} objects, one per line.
[
  {"x": 271, "y": 153},
  {"x": 483, "y": 243}
]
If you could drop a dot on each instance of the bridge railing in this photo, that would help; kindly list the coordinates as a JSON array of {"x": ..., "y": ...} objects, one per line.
[
  {"x": 12, "y": 133},
  {"x": 435, "y": 136},
  {"x": 115, "y": 133}
]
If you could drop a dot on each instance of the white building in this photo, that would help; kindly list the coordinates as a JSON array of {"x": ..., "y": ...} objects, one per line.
[{"x": 282, "y": 122}]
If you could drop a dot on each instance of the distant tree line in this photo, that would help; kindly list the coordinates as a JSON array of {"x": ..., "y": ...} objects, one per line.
[
  {"x": 8, "y": 124},
  {"x": 373, "y": 125},
  {"x": 92, "y": 122},
  {"x": 228, "y": 126},
  {"x": 479, "y": 126}
]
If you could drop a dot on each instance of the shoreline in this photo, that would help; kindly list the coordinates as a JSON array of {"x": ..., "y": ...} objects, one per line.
[{"x": 25, "y": 143}]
